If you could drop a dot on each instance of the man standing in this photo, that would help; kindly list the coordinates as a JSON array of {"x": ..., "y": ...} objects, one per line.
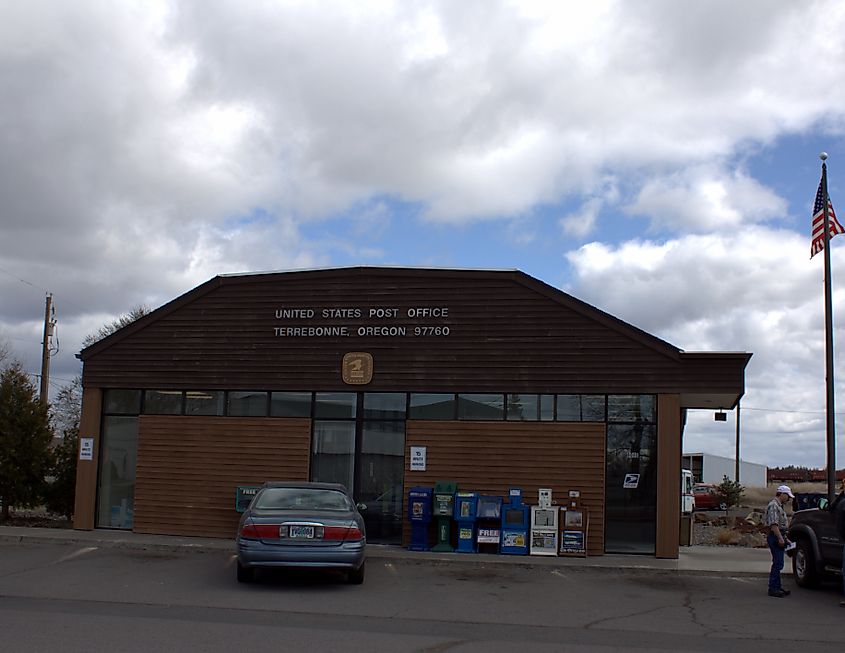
[{"x": 776, "y": 523}]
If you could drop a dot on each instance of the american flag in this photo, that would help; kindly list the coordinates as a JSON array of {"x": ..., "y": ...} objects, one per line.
[{"x": 818, "y": 222}]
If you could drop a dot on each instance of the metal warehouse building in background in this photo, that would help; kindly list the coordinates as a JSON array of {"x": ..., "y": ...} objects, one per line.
[{"x": 333, "y": 375}]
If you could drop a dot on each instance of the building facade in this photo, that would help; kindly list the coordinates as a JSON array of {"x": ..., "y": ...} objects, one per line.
[{"x": 335, "y": 375}]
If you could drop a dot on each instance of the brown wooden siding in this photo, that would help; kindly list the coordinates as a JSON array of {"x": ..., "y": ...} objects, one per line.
[
  {"x": 668, "y": 475},
  {"x": 86, "y": 470},
  {"x": 508, "y": 333},
  {"x": 189, "y": 467},
  {"x": 491, "y": 457}
]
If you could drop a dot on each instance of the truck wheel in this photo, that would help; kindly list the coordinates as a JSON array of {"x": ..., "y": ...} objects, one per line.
[
  {"x": 723, "y": 506},
  {"x": 804, "y": 565}
]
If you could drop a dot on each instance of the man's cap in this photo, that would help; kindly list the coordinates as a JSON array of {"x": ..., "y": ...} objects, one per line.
[{"x": 784, "y": 489}]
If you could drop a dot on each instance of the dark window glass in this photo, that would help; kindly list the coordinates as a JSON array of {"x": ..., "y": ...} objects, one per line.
[
  {"x": 547, "y": 408},
  {"x": 631, "y": 489},
  {"x": 122, "y": 402},
  {"x": 118, "y": 455},
  {"x": 335, "y": 404},
  {"x": 630, "y": 408},
  {"x": 246, "y": 403},
  {"x": 384, "y": 405},
  {"x": 481, "y": 406},
  {"x": 569, "y": 408},
  {"x": 201, "y": 402},
  {"x": 381, "y": 466},
  {"x": 333, "y": 453},
  {"x": 523, "y": 408},
  {"x": 592, "y": 408},
  {"x": 432, "y": 406},
  {"x": 290, "y": 404},
  {"x": 163, "y": 402}
]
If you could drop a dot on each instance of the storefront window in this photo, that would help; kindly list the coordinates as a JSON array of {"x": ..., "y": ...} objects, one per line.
[
  {"x": 163, "y": 402},
  {"x": 630, "y": 408},
  {"x": 569, "y": 408},
  {"x": 118, "y": 456},
  {"x": 431, "y": 406},
  {"x": 333, "y": 453},
  {"x": 481, "y": 406},
  {"x": 384, "y": 405},
  {"x": 523, "y": 408},
  {"x": 335, "y": 404},
  {"x": 547, "y": 408},
  {"x": 200, "y": 402},
  {"x": 580, "y": 408},
  {"x": 122, "y": 402},
  {"x": 592, "y": 408},
  {"x": 247, "y": 404},
  {"x": 290, "y": 404}
]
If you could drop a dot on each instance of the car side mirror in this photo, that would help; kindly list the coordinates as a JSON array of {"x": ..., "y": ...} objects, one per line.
[
  {"x": 361, "y": 506},
  {"x": 823, "y": 503}
]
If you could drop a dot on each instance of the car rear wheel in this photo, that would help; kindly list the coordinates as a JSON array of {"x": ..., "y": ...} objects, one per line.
[
  {"x": 356, "y": 576},
  {"x": 723, "y": 506},
  {"x": 804, "y": 565},
  {"x": 245, "y": 574}
]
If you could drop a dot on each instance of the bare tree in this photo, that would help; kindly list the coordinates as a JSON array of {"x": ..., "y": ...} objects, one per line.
[{"x": 107, "y": 329}]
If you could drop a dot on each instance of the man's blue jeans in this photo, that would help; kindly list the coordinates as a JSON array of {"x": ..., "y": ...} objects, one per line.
[{"x": 777, "y": 562}]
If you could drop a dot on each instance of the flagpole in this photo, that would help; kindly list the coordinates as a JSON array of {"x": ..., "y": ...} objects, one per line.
[{"x": 828, "y": 342}]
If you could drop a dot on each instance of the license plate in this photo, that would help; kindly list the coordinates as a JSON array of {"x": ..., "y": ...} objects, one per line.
[{"x": 301, "y": 532}]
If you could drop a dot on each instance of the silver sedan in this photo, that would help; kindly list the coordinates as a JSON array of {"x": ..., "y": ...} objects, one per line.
[{"x": 298, "y": 524}]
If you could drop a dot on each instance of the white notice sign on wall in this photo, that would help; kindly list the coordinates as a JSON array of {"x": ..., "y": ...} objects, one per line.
[
  {"x": 417, "y": 459},
  {"x": 86, "y": 448}
]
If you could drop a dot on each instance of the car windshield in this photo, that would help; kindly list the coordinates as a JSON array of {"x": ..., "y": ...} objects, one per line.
[{"x": 298, "y": 498}]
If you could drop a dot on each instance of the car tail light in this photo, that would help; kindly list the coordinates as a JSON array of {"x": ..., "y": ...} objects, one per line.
[
  {"x": 260, "y": 531},
  {"x": 343, "y": 533}
]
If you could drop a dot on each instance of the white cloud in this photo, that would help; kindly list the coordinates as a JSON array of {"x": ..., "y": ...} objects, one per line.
[
  {"x": 147, "y": 146},
  {"x": 751, "y": 290},
  {"x": 704, "y": 199}
]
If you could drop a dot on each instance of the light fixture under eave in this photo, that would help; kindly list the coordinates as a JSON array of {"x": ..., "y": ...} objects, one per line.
[{"x": 720, "y": 416}]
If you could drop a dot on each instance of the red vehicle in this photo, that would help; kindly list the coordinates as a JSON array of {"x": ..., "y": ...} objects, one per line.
[{"x": 707, "y": 497}]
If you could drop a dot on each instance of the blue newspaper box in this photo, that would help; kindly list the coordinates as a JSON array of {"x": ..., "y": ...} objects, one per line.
[
  {"x": 466, "y": 511},
  {"x": 419, "y": 514},
  {"x": 516, "y": 517}
]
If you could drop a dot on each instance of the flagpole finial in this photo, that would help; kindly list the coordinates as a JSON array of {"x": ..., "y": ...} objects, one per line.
[{"x": 823, "y": 156}]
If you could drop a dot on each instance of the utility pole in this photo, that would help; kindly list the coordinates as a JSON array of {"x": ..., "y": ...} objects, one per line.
[{"x": 49, "y": 323}]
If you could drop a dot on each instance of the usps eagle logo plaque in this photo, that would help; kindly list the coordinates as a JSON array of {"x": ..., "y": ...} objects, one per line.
[{"x": 357, "y": 368}]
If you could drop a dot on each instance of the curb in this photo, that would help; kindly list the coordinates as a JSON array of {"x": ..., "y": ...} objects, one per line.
[{"x": 607, "y": 563}]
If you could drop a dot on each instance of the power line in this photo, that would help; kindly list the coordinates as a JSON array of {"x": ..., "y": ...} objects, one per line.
[{"x": 781, "y": 410}]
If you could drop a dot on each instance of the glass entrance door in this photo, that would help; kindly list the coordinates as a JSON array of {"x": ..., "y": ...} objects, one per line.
[{"x": 362, "y": 446}]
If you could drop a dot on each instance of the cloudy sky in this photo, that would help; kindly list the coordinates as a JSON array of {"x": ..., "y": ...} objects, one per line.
[{"x": 658, "y": 160}]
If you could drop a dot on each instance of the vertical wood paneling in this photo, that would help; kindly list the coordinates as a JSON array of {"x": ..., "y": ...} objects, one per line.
[
  {"x": 491, "y": 457},
  {"x": 189, "y": 467},
  {"x": 668, "y": 475},
  {"x": 86, "y": 470}
]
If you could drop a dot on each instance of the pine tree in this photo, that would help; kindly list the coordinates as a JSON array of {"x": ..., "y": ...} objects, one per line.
[
  {"x": 25, "y": 437},
  {"x": 66, "y": 412}
]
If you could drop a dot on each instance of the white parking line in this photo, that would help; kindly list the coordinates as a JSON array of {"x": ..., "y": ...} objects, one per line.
[{"x": 76, "y": 554}]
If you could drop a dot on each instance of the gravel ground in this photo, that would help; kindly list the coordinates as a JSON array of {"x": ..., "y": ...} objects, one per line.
[{"x": 709, "y": 526}]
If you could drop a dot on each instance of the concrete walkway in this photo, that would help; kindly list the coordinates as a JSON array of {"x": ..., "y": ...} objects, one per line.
[{"x": 709, "y": 560}]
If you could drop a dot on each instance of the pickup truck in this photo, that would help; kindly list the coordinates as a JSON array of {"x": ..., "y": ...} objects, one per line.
[{"x": 818, "y": 549}]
